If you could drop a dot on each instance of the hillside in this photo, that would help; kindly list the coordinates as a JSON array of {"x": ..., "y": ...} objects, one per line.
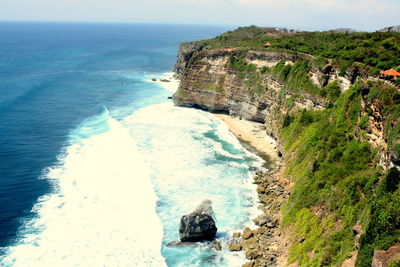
[{"x": 338, "y": 126}]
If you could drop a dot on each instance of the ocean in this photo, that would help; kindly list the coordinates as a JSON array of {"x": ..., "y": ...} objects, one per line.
[{"x": 97, "y": 165}]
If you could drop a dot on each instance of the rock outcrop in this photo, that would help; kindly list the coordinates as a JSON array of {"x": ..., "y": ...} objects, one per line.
[
  {"x": 208, "y": 83},
  {"x": 383, "y": 257},
  {"x": 198, "y": 225}
]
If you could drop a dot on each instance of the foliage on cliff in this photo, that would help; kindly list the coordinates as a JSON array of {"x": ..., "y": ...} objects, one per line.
[
  {"x": 338, "y": 181},
  {"x": 377, "y": 50}
]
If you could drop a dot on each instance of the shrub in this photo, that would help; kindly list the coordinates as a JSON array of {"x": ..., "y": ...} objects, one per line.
[
  {"x": 392, "y": 180},
  {"x": 332, "y": 90}
]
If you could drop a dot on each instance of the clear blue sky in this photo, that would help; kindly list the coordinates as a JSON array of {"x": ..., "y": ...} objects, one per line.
[{"x": 297, "y": 14}]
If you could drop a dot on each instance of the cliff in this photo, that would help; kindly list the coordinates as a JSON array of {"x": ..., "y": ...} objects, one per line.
[
  {"x": 210, "y": 83},
  {"x": 336, "y": 124}
]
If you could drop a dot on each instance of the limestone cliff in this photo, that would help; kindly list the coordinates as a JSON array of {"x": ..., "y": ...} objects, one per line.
[
  {"x": 210, "y": 83},
  {"x": 340, "y": 127}
]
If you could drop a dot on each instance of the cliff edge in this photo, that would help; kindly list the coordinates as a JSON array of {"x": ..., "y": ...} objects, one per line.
[{"x": 337, "y": 123}]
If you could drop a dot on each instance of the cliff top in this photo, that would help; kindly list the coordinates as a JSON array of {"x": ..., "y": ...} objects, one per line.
[{"x": 376, "y": 50}]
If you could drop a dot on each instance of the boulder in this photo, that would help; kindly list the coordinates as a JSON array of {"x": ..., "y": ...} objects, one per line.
[
  {"x": 236, "y": 235},
  {"x": 218, "y": 246},
  {"x": 382, "y": 258},
  {"x": 235, "y": 247},
  {"x": 252, "y": 254},
  {"x": 198, "y": 225},
  {"x": 262, "y": 220},
  {"x": 248, "y": 264},
  {"x": 249, "y": 244},
  {"x": 247, "y": 233}
]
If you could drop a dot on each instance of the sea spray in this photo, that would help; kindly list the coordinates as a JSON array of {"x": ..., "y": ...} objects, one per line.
[
  {"x": 102, "y": 206},
  {"x": 193, "y": 156},
  {"x": 102, "y": 209}
]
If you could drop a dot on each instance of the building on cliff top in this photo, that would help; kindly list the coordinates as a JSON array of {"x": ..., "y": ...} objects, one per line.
[{"x": 392, "y": 73}]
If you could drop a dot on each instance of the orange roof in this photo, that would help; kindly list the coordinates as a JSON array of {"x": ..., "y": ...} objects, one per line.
[
  {"x": 390, "y": 72},
  {"x": 267, "y": 43}
]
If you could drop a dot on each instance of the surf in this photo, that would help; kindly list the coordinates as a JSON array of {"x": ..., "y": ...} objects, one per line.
[{"x": 102, "y": 209}]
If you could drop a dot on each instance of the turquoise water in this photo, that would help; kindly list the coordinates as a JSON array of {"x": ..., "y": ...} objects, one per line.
[{"x": 97, "y": 165}]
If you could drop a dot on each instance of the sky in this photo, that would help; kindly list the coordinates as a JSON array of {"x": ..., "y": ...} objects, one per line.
[{"x": 366, "y": 15}]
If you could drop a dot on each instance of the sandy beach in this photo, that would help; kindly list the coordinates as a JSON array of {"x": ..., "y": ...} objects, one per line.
[{"x": 252, "y": 133}]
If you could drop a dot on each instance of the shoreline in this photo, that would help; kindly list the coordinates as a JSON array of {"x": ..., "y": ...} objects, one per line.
[
  {"x": 255, "y": 136},
  {"x": 264, "y": 245}
]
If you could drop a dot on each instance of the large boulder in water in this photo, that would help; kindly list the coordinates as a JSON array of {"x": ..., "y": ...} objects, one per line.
[{"x": 198, "y": 225}]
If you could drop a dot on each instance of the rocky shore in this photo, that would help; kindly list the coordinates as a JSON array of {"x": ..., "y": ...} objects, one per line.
[
  {"x": 265, "y": 245},
  {"x": 280, "y": 94}
]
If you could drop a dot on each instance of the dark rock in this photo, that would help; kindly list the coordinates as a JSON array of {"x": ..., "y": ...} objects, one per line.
[
  {"x": 383, "y": 257},
  {"x": 235, "y": 247},
  {"x": 253, "y": 254},
  {"x": 178, "y": 243},
  {"x": 280, "y": 154},
  {"x": 154, "y": 79},
  {"x": 165, "y": 80},
  {"x": 248, "y": 264},
  {"x": 218, "y": 246},
  {"x": 170, "y": 97},
  {"x": 247, "y": 233},
  {"x": 261, "y": 189},
  {"x": 249, "y": 244},
  {"x": 260, "y": 231},
  {"x": 262, "y": 220},
  {"x": 236, "y": 235},
  {"x": 198, "y": 225},
  {"x": 259, "y": 173},
  {"x": 270, "y": 224}
]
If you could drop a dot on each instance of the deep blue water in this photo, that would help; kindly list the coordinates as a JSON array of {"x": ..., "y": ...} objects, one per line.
[
  {"x": 97, "y": 166},
  {"x": 55, "y": 75}
]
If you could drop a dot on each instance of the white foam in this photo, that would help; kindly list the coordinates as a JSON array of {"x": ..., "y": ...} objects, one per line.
[
  {"x": 180, "y": 145},
  {"x": 102, "y": 212},
  {"x": 171, "y": 86}
]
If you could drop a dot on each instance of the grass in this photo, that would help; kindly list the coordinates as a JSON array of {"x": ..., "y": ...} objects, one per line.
[
  {"x": 339, "y": 183},
  {"x": 338, "y": 180},
  {"x": 376, "y": 51}
]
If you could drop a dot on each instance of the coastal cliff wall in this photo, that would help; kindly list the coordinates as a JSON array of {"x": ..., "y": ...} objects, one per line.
[
  {"x": 339, "y": 133},
  {"x": 210, "y": 82}
]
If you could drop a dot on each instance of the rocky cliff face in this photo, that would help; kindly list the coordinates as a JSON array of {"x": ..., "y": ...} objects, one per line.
[{"x": 209, "y": 83}]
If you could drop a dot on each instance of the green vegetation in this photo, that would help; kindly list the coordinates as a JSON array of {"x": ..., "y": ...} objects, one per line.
[
  {"x": 182, "y": 93},
  {"x": 295, "y": 76},
  {"x": 389, "y": 99},
  {"x": 332, "y": 91},
  {"x": 394, "y": 263},
  {"x": 376, "y": 51},
  {"x": 249, "y": 72},
  {"x": 217, "y": 87},
  {"x": 339, "y": 182}
]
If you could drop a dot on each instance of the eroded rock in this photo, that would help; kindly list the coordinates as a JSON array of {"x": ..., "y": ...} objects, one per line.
[
  {"x": 235, "y": 247},
  {"x": 247, "y": 233},
  {"x": 198, "y": 225}
]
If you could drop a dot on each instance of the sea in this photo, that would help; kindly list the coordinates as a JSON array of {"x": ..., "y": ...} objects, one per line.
[{"x": 97, "y": 165}]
